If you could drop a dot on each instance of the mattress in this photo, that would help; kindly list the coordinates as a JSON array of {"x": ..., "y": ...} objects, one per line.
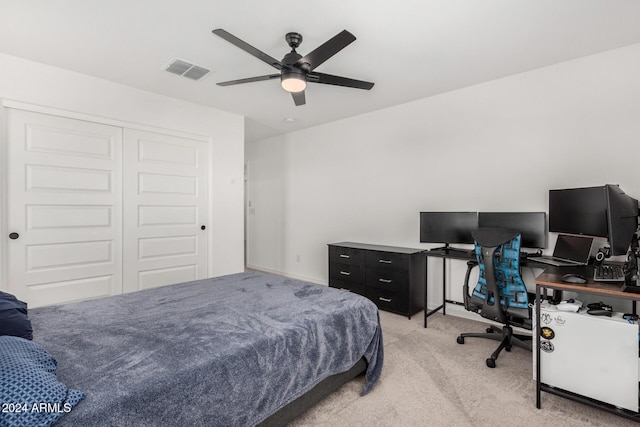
[{"x": 227, "y": 351}]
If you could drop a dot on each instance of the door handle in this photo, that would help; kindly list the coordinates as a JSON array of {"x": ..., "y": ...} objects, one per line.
[
  {"x": 14, "y": 236},
  {"x": 203, "y": 227}
]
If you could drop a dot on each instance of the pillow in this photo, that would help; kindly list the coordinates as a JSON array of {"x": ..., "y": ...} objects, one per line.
[
  {"x": 30, "y": 393},
  {"x": 13, "y": 317}
]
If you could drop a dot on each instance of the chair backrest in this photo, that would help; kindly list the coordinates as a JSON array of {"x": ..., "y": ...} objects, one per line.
[{"x": 498, "y": 255}]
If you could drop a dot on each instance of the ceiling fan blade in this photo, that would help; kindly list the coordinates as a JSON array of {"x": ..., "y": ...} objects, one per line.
[
  {"x": 325, "y": 50},
  {"x": 249, "y": 80},
  {"x": 298, "y": 98},
  {"x": 330, "y": 79},
  {"x": 248, "y": 48}
]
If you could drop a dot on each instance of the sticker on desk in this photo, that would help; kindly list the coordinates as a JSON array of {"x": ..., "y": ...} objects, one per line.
[
  {"x": 559, "y": 320},
  {"x": 547, "y": 346},
  {"x": 545, "y": 318},
  {"x": 547, "y": 333}
]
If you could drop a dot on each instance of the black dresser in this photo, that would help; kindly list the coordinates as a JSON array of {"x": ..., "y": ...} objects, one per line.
[{"x": 392, "y": 277}]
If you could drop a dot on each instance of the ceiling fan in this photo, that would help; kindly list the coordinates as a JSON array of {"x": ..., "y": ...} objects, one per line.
[{"x": 297, "y": 70}]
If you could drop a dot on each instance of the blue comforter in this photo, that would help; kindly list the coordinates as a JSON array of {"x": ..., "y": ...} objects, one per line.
[{"x": 227, "y": 351}]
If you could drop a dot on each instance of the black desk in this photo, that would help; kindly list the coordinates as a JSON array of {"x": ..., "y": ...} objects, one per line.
[{"x": 469, "y": 255}]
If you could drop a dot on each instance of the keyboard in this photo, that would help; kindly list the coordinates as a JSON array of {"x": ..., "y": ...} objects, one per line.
[{"x": 608, "y": 273}]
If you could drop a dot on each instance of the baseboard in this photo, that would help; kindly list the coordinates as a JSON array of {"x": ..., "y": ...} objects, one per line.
[{"x": 460, "y": 311}]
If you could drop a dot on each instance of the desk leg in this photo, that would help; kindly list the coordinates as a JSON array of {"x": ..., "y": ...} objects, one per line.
[
  {"x": 536, "y": 340},
  {"x": 444, "y": 286},
  {"x": 426, "y": 289},
  {"x": 427, "y": 312}
]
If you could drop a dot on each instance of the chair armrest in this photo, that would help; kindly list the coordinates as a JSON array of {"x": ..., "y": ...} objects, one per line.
[{"x": 465, "y": 287}]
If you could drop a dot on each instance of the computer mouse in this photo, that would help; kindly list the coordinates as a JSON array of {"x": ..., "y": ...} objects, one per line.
[{"x": 573, "y": 278}]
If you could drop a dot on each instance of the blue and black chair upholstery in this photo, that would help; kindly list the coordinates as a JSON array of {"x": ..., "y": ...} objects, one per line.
[{"x": 500, "y": 294}]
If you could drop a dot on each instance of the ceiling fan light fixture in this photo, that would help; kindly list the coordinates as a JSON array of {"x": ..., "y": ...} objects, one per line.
[
  {"x": 293, "y": 81},
  {"x": 295, "y": 70}
]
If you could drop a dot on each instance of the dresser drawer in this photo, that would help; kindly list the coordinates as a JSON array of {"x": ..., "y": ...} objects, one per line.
[
  {"x": 377, "y": 260},
  {"x": 346, "y": 272},
  {"x": 357, "y": 288},
  {"x": 346, "y": 255},
  {"x": 388, "y": 299},
  {"x": 390, "y": 278}
]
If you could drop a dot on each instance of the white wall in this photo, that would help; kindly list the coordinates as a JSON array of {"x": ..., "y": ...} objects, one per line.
[
  {"x": 42, "y": 85},
  {"x": 496, "y": 146}
]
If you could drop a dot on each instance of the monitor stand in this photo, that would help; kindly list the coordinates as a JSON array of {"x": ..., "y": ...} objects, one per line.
[{"x": 449, "y": 249}]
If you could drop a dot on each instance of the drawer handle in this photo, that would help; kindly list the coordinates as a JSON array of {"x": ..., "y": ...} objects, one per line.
[
  {"x": 384, "y": 280},
  {"x": 345, "y": 273},
  {"x": 384, "y": 299},
  {"x": 345, "y": 256},
  {"x": 385, "y": 261},
  {"x": 345, "y": 289}
]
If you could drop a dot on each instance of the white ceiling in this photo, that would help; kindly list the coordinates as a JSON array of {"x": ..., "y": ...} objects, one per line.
[{"x": 411, "y": 49}]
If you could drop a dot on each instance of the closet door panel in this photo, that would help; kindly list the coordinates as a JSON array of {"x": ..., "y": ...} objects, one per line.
[
  {"x": 166, "y": 208},
  {"x": 65, "y": 206}
]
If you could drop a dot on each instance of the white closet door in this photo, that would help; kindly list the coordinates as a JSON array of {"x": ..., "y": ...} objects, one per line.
[
  {"x": 64, "y": 208},
  {"x": 166, "y": 204}
]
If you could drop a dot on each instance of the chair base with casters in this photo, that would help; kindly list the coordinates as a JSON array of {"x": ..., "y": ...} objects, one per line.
[
  {"x": 500, "y": 294},
  {"x": 506, "y": 337}
]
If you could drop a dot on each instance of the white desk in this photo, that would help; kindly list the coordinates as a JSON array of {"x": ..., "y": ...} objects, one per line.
[{"x": 590, "y": 359}]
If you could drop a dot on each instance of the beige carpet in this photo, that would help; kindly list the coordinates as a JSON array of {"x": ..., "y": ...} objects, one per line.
[{"x": 430, "y": 380}]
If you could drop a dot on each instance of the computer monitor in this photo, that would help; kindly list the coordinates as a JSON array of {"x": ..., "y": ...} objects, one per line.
[
  {"x": 447, "y": 227},
  {"x": 622, "y": 219},
  {"x": 578, "y": 211},
  {"x": 531, "y": 225},
  {"x": 604, "y": 211}
]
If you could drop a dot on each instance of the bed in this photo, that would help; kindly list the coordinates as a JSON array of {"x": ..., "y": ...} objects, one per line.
[{"x": 239, "y": 350}]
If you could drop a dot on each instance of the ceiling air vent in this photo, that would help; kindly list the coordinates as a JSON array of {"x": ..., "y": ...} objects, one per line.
[{"x": 186, "y": 69}]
